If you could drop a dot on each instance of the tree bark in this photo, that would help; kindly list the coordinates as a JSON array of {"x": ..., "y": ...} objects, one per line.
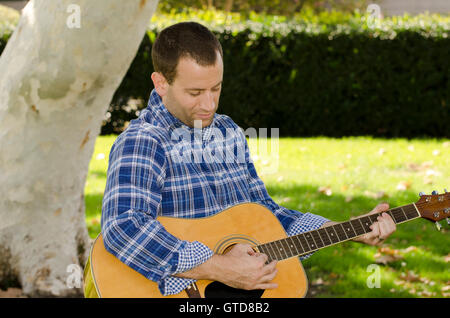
[
  {"x": 58, "y": 74},
  {"x": 228, "y": 5}
]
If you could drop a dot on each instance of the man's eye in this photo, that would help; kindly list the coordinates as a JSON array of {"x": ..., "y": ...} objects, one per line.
[{"x": 194, "y": 94}]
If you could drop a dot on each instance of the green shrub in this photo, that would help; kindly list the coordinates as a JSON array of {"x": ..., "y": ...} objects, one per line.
[{"x": 332, "y": 74}]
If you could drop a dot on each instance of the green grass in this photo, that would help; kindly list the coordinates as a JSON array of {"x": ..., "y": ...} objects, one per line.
[{"x": 340, "y": 178}]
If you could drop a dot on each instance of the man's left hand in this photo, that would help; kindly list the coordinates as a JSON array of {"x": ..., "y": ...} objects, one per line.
[{"x": 381, "y": 229}]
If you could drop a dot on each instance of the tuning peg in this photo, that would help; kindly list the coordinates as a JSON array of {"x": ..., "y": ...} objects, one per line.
[
  {"x": 434, "y": 192},
  {"x": 421, "y": 193},
  {"x": 438, "y": 226}
]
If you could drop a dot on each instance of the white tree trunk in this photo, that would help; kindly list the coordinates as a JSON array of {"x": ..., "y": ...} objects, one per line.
[{"x": 58, "y": 74}]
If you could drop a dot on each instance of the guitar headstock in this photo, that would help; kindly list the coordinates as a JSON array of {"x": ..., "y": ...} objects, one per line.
[{"x": 434, "y": 207}]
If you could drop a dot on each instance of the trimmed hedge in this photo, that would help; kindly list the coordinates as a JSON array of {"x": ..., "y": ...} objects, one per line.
[{"x": 330, "y": 75}]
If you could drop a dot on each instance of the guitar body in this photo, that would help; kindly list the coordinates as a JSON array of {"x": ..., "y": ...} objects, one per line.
[{"x": 249, "y": 223}]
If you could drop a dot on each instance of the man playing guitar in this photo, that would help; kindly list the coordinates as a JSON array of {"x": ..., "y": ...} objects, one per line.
[{"x": 145, "y": 180}]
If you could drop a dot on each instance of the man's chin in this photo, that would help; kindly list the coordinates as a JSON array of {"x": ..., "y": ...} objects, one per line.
[{"x": 205, "y": 122}]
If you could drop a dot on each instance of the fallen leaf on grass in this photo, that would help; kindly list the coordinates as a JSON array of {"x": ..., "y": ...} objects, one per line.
[
  {"x": 385, "y": 259},
  {"x": 419, "y": 167},
  {"x": 410, "y": 277},
  {"x": 426, "y": 293},
  {"x": 413, "y": 166},
  {"x": 284, "y": 200},
  {"x": 411, "y": 248},
  {"x": 317, "y": 282},
  {"x": 431, "y": 172},
  {"x": 325, "y": 190},
  {"x": 387, "y": 255},
  {"x": 377, "y": 195},
  {"x": 388, "y": 251},
  {"x": 403, "y": 185},
  {"x": 447, "y": 258}
]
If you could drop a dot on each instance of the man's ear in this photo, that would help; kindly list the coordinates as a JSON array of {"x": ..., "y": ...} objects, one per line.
[{"x": 160, "y": 83}]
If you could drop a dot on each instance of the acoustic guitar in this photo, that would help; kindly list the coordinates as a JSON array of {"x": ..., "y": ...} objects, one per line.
[{"x": 253, "y": 224}]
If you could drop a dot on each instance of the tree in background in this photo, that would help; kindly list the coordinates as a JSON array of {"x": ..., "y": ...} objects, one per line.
[
  {"x": 59, "y": 71},
  {"x": 276, "y": 7}
]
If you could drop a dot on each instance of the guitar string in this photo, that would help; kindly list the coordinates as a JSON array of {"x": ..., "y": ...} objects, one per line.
[
  {"x": 356, "y": 231},
  {"x": 409, "y": 212}
]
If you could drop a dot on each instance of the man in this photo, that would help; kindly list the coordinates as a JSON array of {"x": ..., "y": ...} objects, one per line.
[{"x": 146, "y": 179}]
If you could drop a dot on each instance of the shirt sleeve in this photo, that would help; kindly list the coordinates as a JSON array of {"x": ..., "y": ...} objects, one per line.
[
  {"x": 131, "y": 201},
  {"x": 294, "y": 222}
]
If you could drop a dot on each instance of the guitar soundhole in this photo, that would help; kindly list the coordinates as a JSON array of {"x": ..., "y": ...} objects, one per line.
[{"x": 219, "y": 290}]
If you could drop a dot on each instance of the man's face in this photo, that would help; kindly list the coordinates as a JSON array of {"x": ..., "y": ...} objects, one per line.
[{"x": 194, "y": 94}]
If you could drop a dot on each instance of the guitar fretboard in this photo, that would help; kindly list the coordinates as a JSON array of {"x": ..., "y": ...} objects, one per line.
[{"x": 308, "y": 242}]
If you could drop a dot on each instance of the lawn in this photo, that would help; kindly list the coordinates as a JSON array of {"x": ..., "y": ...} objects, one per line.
[{"x": 338, "y": 179}]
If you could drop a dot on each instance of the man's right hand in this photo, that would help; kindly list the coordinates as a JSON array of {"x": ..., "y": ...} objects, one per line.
[
  {"x": 244, "y": 268},
  {"x": 241, "y": 268}
]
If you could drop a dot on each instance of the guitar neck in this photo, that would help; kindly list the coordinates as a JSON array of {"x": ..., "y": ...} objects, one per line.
[{"x": 312, "y": 241}]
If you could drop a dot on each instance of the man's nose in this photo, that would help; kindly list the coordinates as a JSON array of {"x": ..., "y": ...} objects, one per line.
[{"x": 208, "y": 103}]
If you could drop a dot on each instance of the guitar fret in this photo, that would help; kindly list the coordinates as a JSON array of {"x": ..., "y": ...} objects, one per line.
[
  {"x": 401, "y": 208},
  {"x": 349, "y": 229},
  {"x": 312, "y": 245},
  {"x": 305, "y": 244},
  {"x": 343, "y": 230},
  {"x": 332, "y": 234},
  {"x": 324, "y": 236},
  {"x": 392, "y": 216},
  {"x": 280, "y": 249},
  {"x": 399, "y": 217},
  {"x": 373, "y": 217},
  {"x": 357, "y": 227},
  {"x": 340, "y": 232},
  {"x": 299, "y": 245},
  {"x": 366, "y": 223},
  {"x": 292, "y": 245},
  {"x": 411, "y": 211},
  {"x": 317, "y": 239},
  {"x": 264, "y": 249},
  {"x": 275, "y": 251},
  {"x": 286, "y": 248}
]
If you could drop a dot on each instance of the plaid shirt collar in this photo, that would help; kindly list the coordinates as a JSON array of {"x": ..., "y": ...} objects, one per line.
[{"x": 157, "y": 114}]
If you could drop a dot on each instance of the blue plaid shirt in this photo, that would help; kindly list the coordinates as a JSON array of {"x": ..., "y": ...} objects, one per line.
[{"x": 149, "y": 176}]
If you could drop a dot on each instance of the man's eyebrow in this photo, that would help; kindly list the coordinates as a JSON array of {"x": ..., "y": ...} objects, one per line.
[{"x": 202, "y": 89}]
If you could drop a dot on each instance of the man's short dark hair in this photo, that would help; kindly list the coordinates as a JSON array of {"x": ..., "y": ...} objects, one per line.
[{"x": 184, "y": 39}]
